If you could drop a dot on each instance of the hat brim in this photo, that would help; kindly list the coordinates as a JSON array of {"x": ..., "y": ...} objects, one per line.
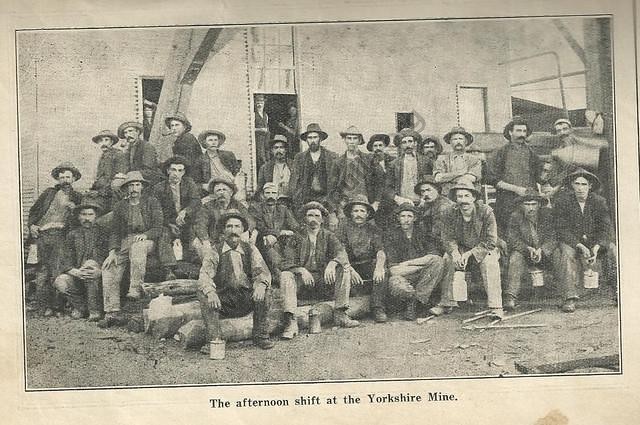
[
  {"x": 225, "y": 217},
  {"x": 124, "y": 126},
  {"x": 347, "y": 208},
  {"x": 323, "y": 210},
  {"x": 386, "y": 140},
  {"x": 76, "y": 173},
  {"x": 97, "y": 208},
  {"x": 405, "y": 207},
  {"x": 468, "y": 136},
  {"x": 173, "y": 160},
  {"x": 416, "y": 137},
  {"x": 284, "y": 142},
  {"x": 438, "y": 187},
  {"x": 592, "y": 178},
  {"x": 214, "y": 182},
  {"x": 452, "y": 192},
  {"x": 205, "y": 134},
  {"x": 97, "y": 137},
  {"x": 360, "y": 136},
  {"x": 323, "y": 135},
  {"x": 185, "y": 122}
]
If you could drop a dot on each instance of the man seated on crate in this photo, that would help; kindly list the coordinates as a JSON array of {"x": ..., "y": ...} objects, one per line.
[
  {"x": 532, "y": 243},
  {"x": 584, "y": 230}
]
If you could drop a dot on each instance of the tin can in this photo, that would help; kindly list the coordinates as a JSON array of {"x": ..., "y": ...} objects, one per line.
[
  {"x": 537, "y": 277},
  {"x": 217, "y": 349},
  {"x": 459, "y": 286},
  {"x": 315, "y": 327},
  {"x": 590, "y": 279}
]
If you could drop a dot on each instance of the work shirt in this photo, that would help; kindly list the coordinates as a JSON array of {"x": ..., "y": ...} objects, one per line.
[
  {"x": 478, "y": 235},
  {"x": 56, "y": 215},
  {"x": 399, "y": 247},
  {"x": 409, "y": 176},
  {"x": 362, "y": 242},
  {"x": 281, "y": 176},
  {"x": 218, "y": 169}
]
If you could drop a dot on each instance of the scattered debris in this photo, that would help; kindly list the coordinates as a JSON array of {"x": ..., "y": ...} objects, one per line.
[
  {"x": 504, "y": 319},
  {"x": 476, "y": 317},
  {"x": 421, "y": 320},
  {"x": 533, "y": 325},
  {"x": 420, "y": 341},
  {"x": 611, "y": 362}
]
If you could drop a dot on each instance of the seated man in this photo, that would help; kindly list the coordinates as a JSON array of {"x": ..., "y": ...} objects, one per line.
[
  {"x": 316, "y": 265},
  {"x": 414, "y": 264},
  {"x": 214, "y": 163},
  {"x": 363, "y": 242},
  {"x": 234, "y": 280},
  {"x": 84, "y": 251},
  {"x": 135, "y": 229},
  {"x": 470, "y": 236},
  {"x": 584, "y": 229},
  {"x": 532, "y": 243}
]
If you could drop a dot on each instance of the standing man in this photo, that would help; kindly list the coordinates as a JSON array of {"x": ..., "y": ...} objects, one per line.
[
  {"x": 49, "y": 218},
  {"x": 234, "y": 280},
  {"x": 363, "y": 242},
  {"x": 135, "y": 230},
  {"x": 179, "y": 198},
  {"x": 315, "y": 265},
  {"x": 186, "y": 145},
  {"x": 430, "y": 147},
  {"x": 512, "y": 169},
  {"x": 457, "y": 165},
  {"x": 470, "y": 237},
  {"x": 215, "y": 163},
  {"x": 141, "y": 155},
  {"x": 261, "y": 124},
  {"x": 111, "y": 162},
  {"x": 292, "y": 128},
  {"x": 278, "y": 168},
  {"x": 149, "y": 112},
  {"x": 85, "y": 250},
  {"x": 380, "y": 166}
]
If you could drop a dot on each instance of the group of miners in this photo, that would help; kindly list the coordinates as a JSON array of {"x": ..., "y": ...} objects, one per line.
[{"x": 398, "y": 223}]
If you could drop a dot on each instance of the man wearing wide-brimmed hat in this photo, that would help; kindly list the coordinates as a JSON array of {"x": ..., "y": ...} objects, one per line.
[
  {"x": 278, "y": 168},
  {"x": 512, "y": 169},
  {"x": 457, "y": 165},
  {"x": 111, "y": 162},
  {"x": 415, "y": 265},
  {"x": 584, "y": 230},
  {"x": 215, "y": 162},
  {"x": 49, "y": 218},
  {"x": 363, "y": 242},
  {"x": 432, "y": 207},
  {"x": 309, "y": 179},
  {"x": 470, "y": 237},
  {"x": 315, "y": 265},
  {"x": 380, "y": 165},
  {"x": 430, "y": 147},
  {"x": 185, "y": 145},
  {"x": 136, "y": 227},
  {"x": 85, "y": 249},
  {"x": 234, "y": 280},
  {"x": 179, "y": 198},
  {"x": 532, "y": 242},
  {"x": 141, "y": 155}
]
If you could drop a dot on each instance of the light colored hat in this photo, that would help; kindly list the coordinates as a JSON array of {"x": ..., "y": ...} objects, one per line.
[
  {"x": 128, "y": 124},
  {"x": 134, "y": 176},
  {"x": 458, "y": 130},
  {"x": 206, "y": 133},
  {"x": 105, "y": 133},
  {"x": 178, "y": 116},
  {"x": 353, "y": 130},
  {"x": 358, "y": 200}
]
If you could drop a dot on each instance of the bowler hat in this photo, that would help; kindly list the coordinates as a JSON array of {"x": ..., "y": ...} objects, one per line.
[
  {"x": 176, "y": 159},
  {"x": 232, "y": 213},
  {"x": 407, "y": 132},
  {"x": 517, "y": 120},
  {"x": 384, "y": 138},
  {"x": 353, "y": 130},
  {"x": 214, "y": 181},
  {"x": 430, "y": 180},
  {"x": 134, "y": 176},
  {"x": 434, "y": 140},
  {"x": 530, "y": 195},
  {"x": 466, "y": 186},
  {"x": 105, "y": 133},
  {"x": 128, "y": 124},
  {"x": 314, "y": 128},
  {"x": 178, "y": 116},
  {"x": 406, "y": 206},
  {"x": 458, "y": 130},
  {"x": 581, "y": 172},
  {"x": 313, "y": 205},
  {"x": 206, "y": 133},
  {"x": 66, "y": 166},
  {"x": 279, "y": 138},
  {"x": 358, "y": 200}
]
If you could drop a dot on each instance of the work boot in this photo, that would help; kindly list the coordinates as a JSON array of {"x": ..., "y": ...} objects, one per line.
[
  {"x": 410, "y": 311},
  {"x": 509, "y": 302},
  {"x": 569, "y": 306},
  {"x": 264, "y": 343},
  {"x": 111, "y": 319},
  {"x": 77, "y": 314},
  {"x": 379, "y": 315},
  {"x": 342, "y": 319},
  {"x": 439, "y": 310},
  {"x": 94, "y": 317},
  {"x": 496, "y": 313},
  {"x": 291, "y": 328}
]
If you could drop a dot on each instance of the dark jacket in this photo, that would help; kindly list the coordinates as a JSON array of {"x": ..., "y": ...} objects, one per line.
[
  {"x": 271, "y": 224},
  {"x": 151, "y": 216},
  {"x": 265, "y": 174},
  {"x": 394, "y": 175},
  {"x": 187, "y": 146},
  {"x": 301, "y": 175},
  {"x": 328, "y": 248},
  {"x": 42, "y": 204},
  {"x": 484, "y": 225},
  {"x": 399, "y": 248},
  {"x": 337, "y": 177},
  {"x": 589, "y": 228},
  {"x": 112, "y": 162},
  {"x": 189, "y": 199},
  {"x": 520, "y": 235},
  {"x": 379, "y": 178},
  {"x": 145, "y": 160},
  {"x": 431, "y": 218},
  {"x": 496, "y": 166},
  {"x": 201, "y": 172},
  {"x": 83, "y": 245},
  {"x": 208, "y": 215}
]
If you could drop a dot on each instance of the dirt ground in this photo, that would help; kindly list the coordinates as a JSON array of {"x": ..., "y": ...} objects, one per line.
[{"x": 63, "y": 353}]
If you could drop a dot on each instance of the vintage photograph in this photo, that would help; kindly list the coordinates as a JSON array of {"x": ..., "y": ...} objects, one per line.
[{"x": 318, "y": 202}]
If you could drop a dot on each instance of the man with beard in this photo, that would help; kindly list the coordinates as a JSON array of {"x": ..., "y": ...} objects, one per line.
[
  {"x": 135, "y": 229},
  {"x": 584, "y": 230},
  {"x": 234, "y": 280},
  {"x": 406, "y": 170},
  {"x": 316, "y": 266},
  {"x": 430, "y": 147},
  {"x": 179, "y": 198},
  {"x": 221, "y": 192},
  {"x": 457, "y": 165},
  {"x": 215, "y": 163},
  {"x": 49, "y": 218},
  {"x": 111, "y": 162},
  {"x": 278, "y": 169},
  {"x": 512, "y": 169},
  {"x": 85, "y": 250},
  {"x": 186, "y": 145},
  {"x": 380, "y": 163},
  {"x": 470, "y": 237},
  {"x": 415, "y": 265},
  {"x": 363, "y": 242},
  {"x": 141, "y": 155},
  {"x": 261, "y": 123}
]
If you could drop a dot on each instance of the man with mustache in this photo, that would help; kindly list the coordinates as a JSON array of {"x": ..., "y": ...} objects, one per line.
[
  {"x": 141, "y": 155},
  {"x": 316, "y": 266},
  {"x": 112, "y": 161},
  {"x": 278, "y": 168},
  {"x": 233, "y": 281},
  {"x": 380, "y": 164},
  {"x": 512, "y": 169},
  {"x": 262, "y": 134},
  {"x": 470, "y": 237},
  {"x": 136, "y": 227},
  {"x": 185, "y": 145},
  {"x": 457, "y": 165},
  {"x": 49, "y": 218},
  {"x": 532, "y": 242},
  {"x": 85, "y": 250},
  {"x": 430, "y": 147},
  {"x": 214, "y": 163},
  {"x": 363, "y": 242}
]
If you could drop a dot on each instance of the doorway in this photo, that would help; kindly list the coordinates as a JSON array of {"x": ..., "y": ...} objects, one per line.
[{"x": 283, "y": 118}]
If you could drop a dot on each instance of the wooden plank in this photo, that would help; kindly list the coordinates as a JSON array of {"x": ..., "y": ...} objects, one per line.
[{"x": 611, "y": 361}]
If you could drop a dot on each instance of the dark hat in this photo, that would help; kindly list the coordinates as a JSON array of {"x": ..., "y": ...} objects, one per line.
[
  {"x": 206, "y": 133},
  {"x": 66, "y": 166},
  {"x": 134, "y": 176},
  {"x": 379, "y": 136},
  {"x": 358, "y": 200},
  {"x": 406, "y": 206},
  {"x": 314, "y": 128},
  {"x": 581, "y": 172},
  {"x": 313, "y": 205},
  {"x": 352, "y": 129},
  {"x": 90, "y": 200},
  {"x": 407, "y": 132},
  {"x": 260, "y": 96},
  {"x": 105, "y": 133},
  {"x": 176, "y": 159},
  {"x": 214, "y": 181},
  {"x": 458, "y": 130},
  {"x": 279, "y": 138},
  {"x": 232, "y": 213},
  {"x": 517, "y": 120},
  {"x": 426, "y": 180},
  {"x": 434, "y": 140},
  {"x": 530, "y": 195},
  {"x": 128, "y": 124},
  {"x": 150, "y": 104},
  {"x": 178, "y": 116},
  {"x": 466, "y": 186}
]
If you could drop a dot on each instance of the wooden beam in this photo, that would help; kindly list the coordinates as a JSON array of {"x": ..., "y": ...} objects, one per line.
[
  {"x": 200, "y": 57},
  {"x": 573, "y": 43},
  {"x": 608, "y": 362}
]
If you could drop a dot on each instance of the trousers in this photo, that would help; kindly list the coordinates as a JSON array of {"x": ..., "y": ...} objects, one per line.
[
  {"x": 572, "y": 264},
  {"x": 416, "y": 282},
  {"x": 518, "y": 267},
  {"x": 50, "y": 250},
  {"x": 83, "y": 294},
  {"x": 378, "y": 290},
  {"x": 291, "y": 285}
]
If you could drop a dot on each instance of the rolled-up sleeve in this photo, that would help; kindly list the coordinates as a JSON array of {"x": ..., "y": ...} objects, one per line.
[{"x": 208, "y": 273}]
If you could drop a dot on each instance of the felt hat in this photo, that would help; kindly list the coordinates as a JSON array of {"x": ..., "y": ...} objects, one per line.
[
  {"x": 434, "y": 140},
  {"x": 314, "y": 205},
  {"x": 178, "y": 116},
  {"x": 430, "y": 180},
  {"x": 90, "y": 200},
  {"x": 407, "y": 132},
  {"x": 105, "y": 133},
  {"x": 269, "y": 185},
  {"x": 530, "y": 195},
  {"x": 379, "y": 136},
  {"x": 260, "y": 96},
  {"x": 581, "y": 172},
  {"x": 314, "y": 128},
  {"x": 517, "y": 120},
  {"x": 353, "y": 130},
  {"x": 406, "y": 206},
  {"x": 134, "y": 176},
  {"x": 358, "y": 200},
  {"x": 279, "y": 138},
  {"x": 466, "y": 186},
  {"x": 66, "y": 166},
  {"x": 149, "y": 104},
  {"x": 232, "y": 213},
  {"x": 458, "y": 130},
  {"x": 214, "y": 181},
  {"x": 128, "y": 124},
  {"x": 176, "y": 159},
  {"x": 206, "y": 133}
]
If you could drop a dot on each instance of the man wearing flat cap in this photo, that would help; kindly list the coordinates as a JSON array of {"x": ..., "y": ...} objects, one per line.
[
  {"x": 278, "y": 168},
  {"x": 215, "y": 163},
  {"x": 380, "y": 166},
  {"x": 457, "y": 165},
  {"x": 185, "y": 145},
  {"x": 470, "y": 236},
  {"x": 49, "y": 219},
  {"x": 532, "y": 242},
  {"x": 112, "y": 161},
  {"x": 584, "y": 230},
  {"x": 315, "y": 265},
  {"x": 179, "y": 198},
  {"x": 234, "y": 280},
  {"x": 141, "y": 155},
  {"x": 136, "y": 227}
]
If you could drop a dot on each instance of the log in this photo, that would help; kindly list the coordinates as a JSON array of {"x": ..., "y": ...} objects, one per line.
[
  {"x": 163, "y": 319},
  {"x": 608, "y": 362},
  {"x": 171, "y": 287}
]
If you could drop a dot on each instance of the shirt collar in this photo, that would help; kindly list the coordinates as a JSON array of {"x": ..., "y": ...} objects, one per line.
[{"x": 226, "y": 247}]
